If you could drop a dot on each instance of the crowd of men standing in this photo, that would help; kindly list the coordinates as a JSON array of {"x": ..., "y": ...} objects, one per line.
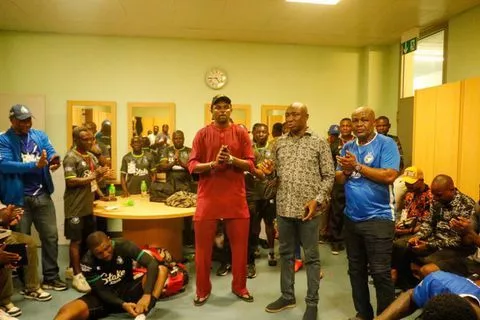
[{"x": 297, "y": 178}]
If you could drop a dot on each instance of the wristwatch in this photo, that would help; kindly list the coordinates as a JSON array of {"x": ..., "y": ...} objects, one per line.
[
  {"x": 230, "y": 160},
  {"x": 358, "y": 167}
]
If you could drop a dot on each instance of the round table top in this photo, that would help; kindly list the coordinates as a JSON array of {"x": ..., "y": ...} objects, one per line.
[{"x": 142, "y": 209}]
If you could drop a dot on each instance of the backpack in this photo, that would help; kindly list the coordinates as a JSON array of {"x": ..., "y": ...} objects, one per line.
[
  {"x": 177, "y": 278},
  {"x": 160, "y": 191}
]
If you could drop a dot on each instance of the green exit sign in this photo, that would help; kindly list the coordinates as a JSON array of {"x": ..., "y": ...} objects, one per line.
[{"x": 409, "y": 45}]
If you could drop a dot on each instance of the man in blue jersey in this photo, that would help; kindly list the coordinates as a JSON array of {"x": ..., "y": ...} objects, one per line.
[
  {"x": 442, "y": 293},
  {"x": 368, "y": 166}
]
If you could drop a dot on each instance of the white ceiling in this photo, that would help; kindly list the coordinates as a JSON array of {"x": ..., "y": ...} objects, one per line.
[{"x": 350, "y": 23}]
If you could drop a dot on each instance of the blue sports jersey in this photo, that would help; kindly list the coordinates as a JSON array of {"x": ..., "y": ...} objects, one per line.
[
  {"x": 366, "y": 199},
  {"x": 443, "y": 282}
]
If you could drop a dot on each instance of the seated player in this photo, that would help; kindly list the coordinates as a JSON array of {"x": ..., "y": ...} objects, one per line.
[
  {"x": 436, "y": 284},
  {"x": 108, "y": 269}
]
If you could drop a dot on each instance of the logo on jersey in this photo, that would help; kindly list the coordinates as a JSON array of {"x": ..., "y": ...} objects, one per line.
[
  {"x": 85, "y": 268},
  {"x": 141, "y": 172},
  {"x": 75, "y": 220},
  {"x": 119, "y": 260},
  {"x": 111, "y": 279},
  {"x": 368, "y": 159}
]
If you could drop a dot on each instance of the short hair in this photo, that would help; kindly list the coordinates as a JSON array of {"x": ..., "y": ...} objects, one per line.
[
  {"x": 383, "y": 118},
  {"x": 178, "y": 132},
  {"x": 258, "y": 125},
  {"x": 76, "y": 132},
  {"x": 447, "y": 306},
  {"x": 95, "y": 239},
  {"x": 277, "y": 127},
  {"x": 346, "y": 119}
]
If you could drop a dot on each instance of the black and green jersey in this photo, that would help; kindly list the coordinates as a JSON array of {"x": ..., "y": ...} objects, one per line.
[
  {"x": 137, "y": 168},
  {"x": 78, "y": 200}
]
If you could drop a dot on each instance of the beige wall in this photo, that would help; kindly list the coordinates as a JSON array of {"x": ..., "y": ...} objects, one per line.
[
  {"x": 331, "y": 80},
  {"x": 464, "y": 46},
  {"x": 65, "y": 67}
]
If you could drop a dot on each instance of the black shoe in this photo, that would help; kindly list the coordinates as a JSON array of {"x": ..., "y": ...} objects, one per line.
[
  {"x": 310, "y": 313},
  {"x": 272, "y": 262},
  {"x": 57, "y": 285},
  {"x": 337, "y": 247},
  {"x": 280, "y": 304},
  {"x": 251, "y": 271},
  {"x": 223, "y": 269}
]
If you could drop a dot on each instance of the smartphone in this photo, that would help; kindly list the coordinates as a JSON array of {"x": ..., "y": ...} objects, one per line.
[{"x": 21, "y": 250}]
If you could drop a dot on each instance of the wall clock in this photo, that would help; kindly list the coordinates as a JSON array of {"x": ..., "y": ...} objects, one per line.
[{"x": 216, "y": 78}]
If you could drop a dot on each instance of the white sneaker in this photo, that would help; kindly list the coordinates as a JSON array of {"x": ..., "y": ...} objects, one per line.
[
  {"x": 11, "y": 309},
  {"x": 140, "y": 317},
  {"x": 80, "y": 283},
  {"x": 38, "y": 295},
  {"x": 6, "y": 316},
  {"x": 69, "y": 273}
]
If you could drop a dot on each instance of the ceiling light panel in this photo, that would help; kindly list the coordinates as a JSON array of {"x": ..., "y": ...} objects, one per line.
[{"x": 324, "y": 2}]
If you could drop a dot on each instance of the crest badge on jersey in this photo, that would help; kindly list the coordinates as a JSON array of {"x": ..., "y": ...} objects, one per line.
[
  {"x": 368, "y": 159},
  {"x": 119, "y": 260}
]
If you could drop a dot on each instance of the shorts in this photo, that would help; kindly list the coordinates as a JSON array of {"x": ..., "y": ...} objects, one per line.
[
  {"x": 78, "y": 228},
  {"x": 266, "y": 210},
  {"x": 128, "y": 292}
]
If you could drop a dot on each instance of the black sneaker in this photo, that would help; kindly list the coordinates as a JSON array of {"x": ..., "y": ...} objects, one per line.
[
  {"x": 272, "y": 262},
  {"x": 310, "y": 313},
  {"x": 251, "y": 271},
  {"x": 223, "y": 269},
  {"x": 57, "y": 285},
  {"x": 280, "y": 304},
  {"x": 337, "y": 247}
]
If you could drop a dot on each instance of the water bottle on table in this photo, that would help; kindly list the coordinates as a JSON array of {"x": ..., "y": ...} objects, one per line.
[
  {"x": 143, "y": 188},
  {"x": 111, "y": 192}
]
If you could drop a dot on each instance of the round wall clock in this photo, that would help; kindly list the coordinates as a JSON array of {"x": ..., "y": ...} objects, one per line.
[{"x": 216, "y": 78}]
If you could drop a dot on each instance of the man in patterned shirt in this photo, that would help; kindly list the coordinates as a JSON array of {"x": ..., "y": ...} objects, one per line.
[
  {"x": 305, "y": 175},
  {"x": 137, "y": 166},
  {"x": 437, "y": 241},
  {"x": 416, "y": 208},
  {"x": 368, "y": 166}
]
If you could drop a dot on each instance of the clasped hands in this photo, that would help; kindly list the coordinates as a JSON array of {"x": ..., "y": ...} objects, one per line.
[{"x": 348, "y": 162}]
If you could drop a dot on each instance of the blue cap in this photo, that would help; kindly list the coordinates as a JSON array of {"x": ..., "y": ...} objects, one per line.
[
  {"x": 20, "y": 112},
  {"x": 334, "y": 129}
]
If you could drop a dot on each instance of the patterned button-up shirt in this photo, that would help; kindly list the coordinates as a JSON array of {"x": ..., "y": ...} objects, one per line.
[
  {"x": 305, "y": 172},
  {"x": 436, "y": 229},
  {"x": 418, "y": 205}
]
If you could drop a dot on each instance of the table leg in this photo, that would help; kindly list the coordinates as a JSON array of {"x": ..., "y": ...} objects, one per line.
[{"x": 165, "y": 233}]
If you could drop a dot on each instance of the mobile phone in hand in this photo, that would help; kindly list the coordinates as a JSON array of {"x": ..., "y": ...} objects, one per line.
[{"x": 21, "y": 250}]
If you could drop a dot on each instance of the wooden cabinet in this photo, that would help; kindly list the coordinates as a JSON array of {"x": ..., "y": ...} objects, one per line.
[{"x": 446, "y": 134}]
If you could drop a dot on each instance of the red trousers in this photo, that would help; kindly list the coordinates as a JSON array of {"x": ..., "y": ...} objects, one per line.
[{"x": 237, "y": 232}]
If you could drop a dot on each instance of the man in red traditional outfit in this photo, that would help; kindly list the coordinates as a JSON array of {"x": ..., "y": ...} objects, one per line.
[{"x": 221, "y": 152}]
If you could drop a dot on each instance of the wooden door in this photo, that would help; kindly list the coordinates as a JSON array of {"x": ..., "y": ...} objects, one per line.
[{"x": 469, "y": 147}]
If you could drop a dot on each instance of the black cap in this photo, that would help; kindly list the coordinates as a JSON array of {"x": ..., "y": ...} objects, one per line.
[
  {"x": 221, "y": 97},
  {"x": 20, "y": 112}
]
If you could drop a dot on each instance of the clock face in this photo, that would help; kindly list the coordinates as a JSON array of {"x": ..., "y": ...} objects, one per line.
[{"x": 216, "y": 78}]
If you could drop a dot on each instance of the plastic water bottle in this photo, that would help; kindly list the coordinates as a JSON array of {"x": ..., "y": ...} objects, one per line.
[
  {"x": 111, "y": 191},
  {"x": 143, "y": 188}
]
